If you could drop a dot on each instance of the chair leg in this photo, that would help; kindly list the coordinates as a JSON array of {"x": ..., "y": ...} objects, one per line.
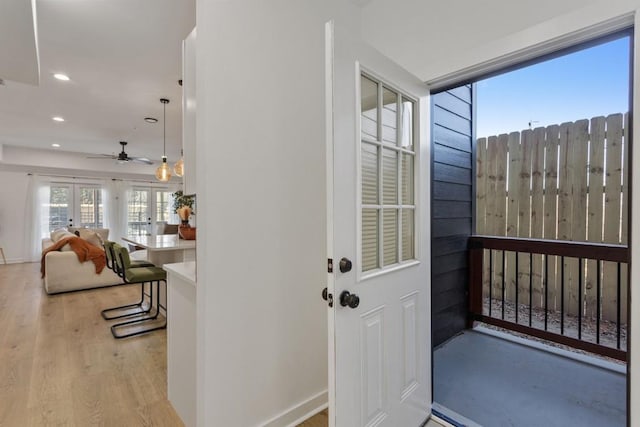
[
  {"x": 3, "y": 258},
  {"x": 139, "y": 305},
  {"x": 115, "y": 328}
]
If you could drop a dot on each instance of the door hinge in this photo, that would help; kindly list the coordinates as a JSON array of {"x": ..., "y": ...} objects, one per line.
[{"x": 329, "y": 265}]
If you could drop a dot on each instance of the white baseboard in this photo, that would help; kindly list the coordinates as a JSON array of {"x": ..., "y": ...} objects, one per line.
[
  {"x": 13, "y": 261},
  {"x": 300, "y": 412}
]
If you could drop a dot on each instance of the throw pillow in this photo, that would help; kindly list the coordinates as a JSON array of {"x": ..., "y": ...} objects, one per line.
[
  {"x": 102, "y": 232},
  {"x": 59, "y": 234},
  {"x": 91, "y": 237}
]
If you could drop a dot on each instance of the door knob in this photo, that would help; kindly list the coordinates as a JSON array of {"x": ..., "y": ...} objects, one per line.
[
  {"x": 327, "y": 297},
  {"x": 345, "y": 265},
  {"x": 349, "y": 299}
]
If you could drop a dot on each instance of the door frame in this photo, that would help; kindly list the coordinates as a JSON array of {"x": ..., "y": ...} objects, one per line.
[{"x": 567, "y": 33}]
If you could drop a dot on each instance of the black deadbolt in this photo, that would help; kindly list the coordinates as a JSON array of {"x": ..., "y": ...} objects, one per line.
[
  {"x": 349, "y": 299},
  {"x": 345, "y": 265},
  {"x": 327, "y": 297}
]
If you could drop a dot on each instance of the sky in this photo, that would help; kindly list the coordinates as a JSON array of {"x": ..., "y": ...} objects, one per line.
[{"x": 581, "y": 85}]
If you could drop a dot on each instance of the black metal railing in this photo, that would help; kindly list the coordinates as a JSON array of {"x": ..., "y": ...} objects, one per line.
[{"x": 489, "y": 286}]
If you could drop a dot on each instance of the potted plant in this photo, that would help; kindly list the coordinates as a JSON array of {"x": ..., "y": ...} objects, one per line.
[{"x": 183, "y": 206}]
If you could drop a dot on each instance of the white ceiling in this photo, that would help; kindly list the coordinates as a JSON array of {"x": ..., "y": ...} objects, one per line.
[
  {"x": 424, "y": 36},
  {"x": 122, "y": 56}
]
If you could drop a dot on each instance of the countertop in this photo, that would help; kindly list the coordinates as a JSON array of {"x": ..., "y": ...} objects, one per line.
[
  {"x": 161, "y": 242},
  {"x": 185, "y": 270}
]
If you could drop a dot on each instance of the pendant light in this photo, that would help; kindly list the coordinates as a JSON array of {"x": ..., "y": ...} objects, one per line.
[
  {"x": 163, "y": 173},
  {"x": 178, "y": 168}
]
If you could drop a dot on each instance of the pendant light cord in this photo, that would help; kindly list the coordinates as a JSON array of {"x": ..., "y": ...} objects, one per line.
[
  {"x": 164, "y": 101},
  {"x": 162, "y": 173}
]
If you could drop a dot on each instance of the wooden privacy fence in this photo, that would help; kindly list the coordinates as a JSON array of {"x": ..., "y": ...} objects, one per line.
[{"x": 564, "y": 182}]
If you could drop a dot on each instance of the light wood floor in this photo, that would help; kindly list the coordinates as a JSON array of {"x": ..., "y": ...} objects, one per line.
[
  {"x": 59, "y": 364},
  {"x": 318, "y": 420}
]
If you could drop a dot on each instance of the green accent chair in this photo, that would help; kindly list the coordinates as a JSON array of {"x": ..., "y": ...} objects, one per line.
[
  {"x": 141, "y": 275},
  {"x": 111, "y": 263},
  {"x": 126, "y": 310}
]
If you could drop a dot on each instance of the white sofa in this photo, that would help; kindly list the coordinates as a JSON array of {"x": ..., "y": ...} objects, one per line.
[{"x": 64, "y": 273}]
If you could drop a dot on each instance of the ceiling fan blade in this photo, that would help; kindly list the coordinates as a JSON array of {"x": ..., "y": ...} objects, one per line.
[
  {"x": 102, "y": 156},
  {"x": 141, "y": 160}
]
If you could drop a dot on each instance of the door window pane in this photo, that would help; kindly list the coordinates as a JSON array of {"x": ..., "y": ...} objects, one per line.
[
  {"x": 138, "y": 212},
  {"x": 162, "y": 205},
  {"x": 390, "y": 236},
  {"x": 390, "y": 176},
  {"x": 408, "y": 251},
  {"x": 369, "y": 239},
  {"x": 91, "y": 209},
  {"x": 369, "y": 107},
  {"x": 407, "y": 179},
  {"x": 389, "y": 116},
  {"x": 369, "y": 174},
  {"x": 59, "y": 207}
]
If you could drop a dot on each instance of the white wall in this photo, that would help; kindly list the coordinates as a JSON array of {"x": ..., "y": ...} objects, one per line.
[
  {"x": 262, "y": 335},
  {"x": 13, "y": 197}
]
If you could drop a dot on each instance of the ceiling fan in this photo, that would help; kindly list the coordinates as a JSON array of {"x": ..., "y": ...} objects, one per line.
[{"x": 122, "y": 157}]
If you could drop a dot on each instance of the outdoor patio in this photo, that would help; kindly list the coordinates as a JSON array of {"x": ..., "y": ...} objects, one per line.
[{"x": 489, "y": 378}]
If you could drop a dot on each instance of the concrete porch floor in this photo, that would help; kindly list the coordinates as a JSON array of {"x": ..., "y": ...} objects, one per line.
[{"x": 494, "y": 380}]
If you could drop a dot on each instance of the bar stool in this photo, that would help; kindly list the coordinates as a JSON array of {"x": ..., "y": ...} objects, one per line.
[
  {"x": 2, "y": 252},
  {"x": 109, "y": 250},
  {"x": 142, "y": 275}
]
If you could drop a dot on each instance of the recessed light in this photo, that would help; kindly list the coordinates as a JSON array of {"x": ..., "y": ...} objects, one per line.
[
  {"x": 151, "y": 120},
  {"x": 55, "y": 145},
  {"x": 62, "y": 77},
  {"x": 57, "y": 119}
]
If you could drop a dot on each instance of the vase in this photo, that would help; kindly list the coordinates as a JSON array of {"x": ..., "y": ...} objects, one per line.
[
  {"x": 184, "y": 212},
  {"x": 186, "y": 232}
]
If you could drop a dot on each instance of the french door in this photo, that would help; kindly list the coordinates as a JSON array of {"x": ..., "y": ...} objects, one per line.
[
  {"x": 146, "y": 206},
  {"x": 378, "y": 240},
  {"x": 75, "y": 205}
]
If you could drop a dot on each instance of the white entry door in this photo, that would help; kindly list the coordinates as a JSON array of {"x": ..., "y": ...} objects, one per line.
[{"x": 378, "y": 238}]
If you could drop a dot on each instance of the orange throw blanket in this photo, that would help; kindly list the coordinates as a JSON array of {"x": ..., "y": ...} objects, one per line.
[{"x": 83, "y": 249}]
